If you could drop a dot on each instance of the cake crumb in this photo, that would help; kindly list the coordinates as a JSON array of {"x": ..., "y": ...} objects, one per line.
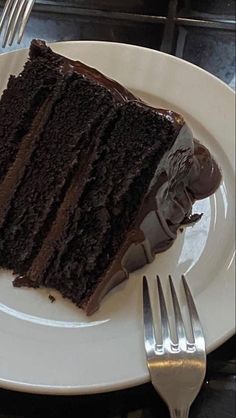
[{"x": 52, "y": 299}]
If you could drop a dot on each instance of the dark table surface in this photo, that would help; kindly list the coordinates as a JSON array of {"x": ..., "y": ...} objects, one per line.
[{"x": 200, "y": 31}]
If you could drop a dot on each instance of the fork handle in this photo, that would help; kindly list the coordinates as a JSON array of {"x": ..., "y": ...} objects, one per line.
[{"x": 179, "y": 413}]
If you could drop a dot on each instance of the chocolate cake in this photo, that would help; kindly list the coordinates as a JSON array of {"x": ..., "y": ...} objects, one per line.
[{"x": 93, "y": 182}]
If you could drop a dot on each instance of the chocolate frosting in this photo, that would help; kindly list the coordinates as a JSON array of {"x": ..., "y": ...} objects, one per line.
[{"x": 186, "y": 173}]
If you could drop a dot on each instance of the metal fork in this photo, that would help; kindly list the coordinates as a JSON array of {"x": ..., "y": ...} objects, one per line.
[
  {"x": 177, "y": 364},
  {"x": 14, "y": 18}
]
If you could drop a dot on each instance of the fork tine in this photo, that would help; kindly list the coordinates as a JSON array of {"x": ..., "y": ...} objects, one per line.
[
  {"x": 10, "y": 22},
  {"x": 194, "y": 318},
  {"x": 5, "y": 12},
  {"x": 149, "y": 334},
  {"x": 166, "y": 336},
  {"x": 179, "y": 324},
  {"x": 15, "y": 23},
  {"x": 25, "y": 18}
]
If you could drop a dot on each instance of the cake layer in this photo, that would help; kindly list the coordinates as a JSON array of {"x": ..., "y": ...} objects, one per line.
[
  {"x": 62, "y": 145},
  {"x": 20, "y": 103}
]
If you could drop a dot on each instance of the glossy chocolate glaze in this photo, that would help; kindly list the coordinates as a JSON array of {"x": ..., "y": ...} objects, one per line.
[{"x": 186, "y": 173}]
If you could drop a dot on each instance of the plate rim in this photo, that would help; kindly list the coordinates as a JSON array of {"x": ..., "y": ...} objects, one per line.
[{"x": 173, "y": 57}]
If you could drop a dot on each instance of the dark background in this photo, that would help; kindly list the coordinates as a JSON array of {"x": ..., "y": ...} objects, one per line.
[{"x": 202, "y": 32}]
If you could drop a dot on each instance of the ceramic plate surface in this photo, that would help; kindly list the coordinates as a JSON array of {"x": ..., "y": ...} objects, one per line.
[{"x": 53, "y": 347}]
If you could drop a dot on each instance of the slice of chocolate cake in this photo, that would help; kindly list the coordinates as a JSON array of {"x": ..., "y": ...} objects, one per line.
[{"x": 93, "y": 182}]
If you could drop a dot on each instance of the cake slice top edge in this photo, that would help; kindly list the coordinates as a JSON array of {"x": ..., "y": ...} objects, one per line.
[{"x": 120, "y": 93}]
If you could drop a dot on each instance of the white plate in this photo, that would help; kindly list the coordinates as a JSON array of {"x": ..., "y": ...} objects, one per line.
[{"x": 54, "y": 348}]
